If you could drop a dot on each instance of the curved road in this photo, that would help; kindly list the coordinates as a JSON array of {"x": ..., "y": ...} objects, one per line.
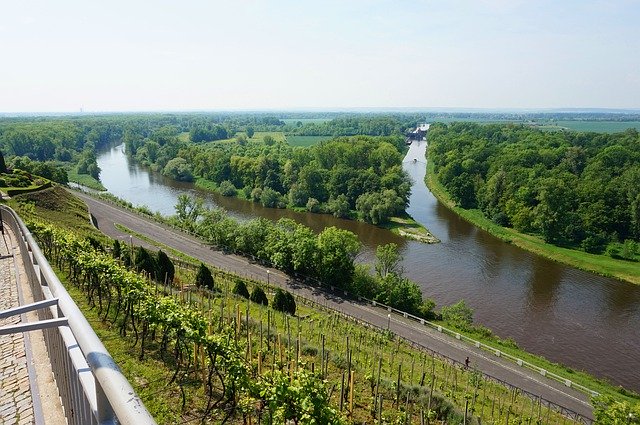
[{"x": 107, "y": 215}]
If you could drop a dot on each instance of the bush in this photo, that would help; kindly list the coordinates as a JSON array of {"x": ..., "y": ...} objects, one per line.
[
  {"x": 240, "y": 288},
  {"x": 458, "y": 314},
  {"x": 166, "y": 270},
  {"x": 144, "y": 262},
  {"x": 283, "y": 301},
  {"x": 204, "y": 279},
  {"x": 313, "y": 205},
  {"x": 258, "y": 296},
  {"x": 227, "y": 188}
]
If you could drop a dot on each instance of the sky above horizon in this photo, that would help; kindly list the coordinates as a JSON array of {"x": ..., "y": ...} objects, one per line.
[{"x": 255, "y": 54}]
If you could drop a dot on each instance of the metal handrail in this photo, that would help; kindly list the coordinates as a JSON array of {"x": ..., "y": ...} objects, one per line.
[{"x": 104, "y": 396}]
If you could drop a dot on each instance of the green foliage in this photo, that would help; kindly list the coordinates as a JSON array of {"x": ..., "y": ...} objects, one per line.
[
  {"x": 144, "y": 262},
  {"x": 88, "y": 162},
  {"x": 283, "y": 301},
  {"x": 240, "y": 288},
  {"x": 47, "y": 169},
  {"x": 188, "y": 211},
  {"x": 337, "y": 250},
  {"x": 300, "y": 398},
  {"x": 204, "y": 278},
  {"x": 117, "y": 249},
  {"x": 258, "y": 296},
  {"x": 227, "y": 188},
  {"x": 166, "y": 270},
  {"x": 388, "y": 260},
  {"x": 178, "y": 169},
  {"x": 3, "y": 165},
  {"x": 610, "y": 412},
  {"x": 458, "y": 314},
  {"x": 270, "y": 198},
  {"x": 578, "y": 190}
]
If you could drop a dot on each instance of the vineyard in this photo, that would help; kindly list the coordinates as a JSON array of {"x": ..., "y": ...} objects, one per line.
[{"x": 232, "y": 360}]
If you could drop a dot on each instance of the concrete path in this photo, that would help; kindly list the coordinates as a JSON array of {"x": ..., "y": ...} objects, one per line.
[{"x": 107, "y": 215}]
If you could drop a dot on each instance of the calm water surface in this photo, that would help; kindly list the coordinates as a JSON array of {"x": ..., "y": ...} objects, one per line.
[{"x": 569, "y": 316}]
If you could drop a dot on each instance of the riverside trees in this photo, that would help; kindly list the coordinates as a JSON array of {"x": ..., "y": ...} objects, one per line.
[
  {"x": 580, "y": 190},
  {"x": 328, "y": 257}
]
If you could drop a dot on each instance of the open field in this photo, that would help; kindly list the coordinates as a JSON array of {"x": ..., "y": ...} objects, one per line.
[
  {"x": 293, "y": 121},
  {"x": 595, "y": 126},
  {"x": 306, "y": 140}
]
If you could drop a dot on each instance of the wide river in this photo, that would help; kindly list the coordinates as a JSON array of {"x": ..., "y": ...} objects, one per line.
[{"x": 569, "y": 316}]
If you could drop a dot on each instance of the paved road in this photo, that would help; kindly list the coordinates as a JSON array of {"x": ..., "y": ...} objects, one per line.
[{"x": 107, "y": 215}]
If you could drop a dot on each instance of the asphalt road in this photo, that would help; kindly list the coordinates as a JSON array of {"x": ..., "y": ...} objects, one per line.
[{"x": 107, "y": 215}]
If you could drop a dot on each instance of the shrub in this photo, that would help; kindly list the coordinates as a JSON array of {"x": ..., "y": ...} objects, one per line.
[
  {"x": 144, "y": 262},
  {"x": 458, "y": 314},
  {"x": 258, "y": 296},
  {"x": 165, "y": 269},
  {"x": 227, "y": 188},
  {"x": 283, "y": 301},
  {"x": 240, "y": 288},
  {"x": 204, "y": 279}
]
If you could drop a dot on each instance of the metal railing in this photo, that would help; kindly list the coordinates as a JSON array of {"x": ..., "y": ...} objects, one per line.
[{"x": 92, "y": 388}]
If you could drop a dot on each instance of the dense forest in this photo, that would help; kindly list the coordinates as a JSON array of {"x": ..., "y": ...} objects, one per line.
[
  {"x": 347, "y": 174},
  {"x": 579, "y": 190}
]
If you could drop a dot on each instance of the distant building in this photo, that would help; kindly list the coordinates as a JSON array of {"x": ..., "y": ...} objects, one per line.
[{"x": 418, "y": 134}]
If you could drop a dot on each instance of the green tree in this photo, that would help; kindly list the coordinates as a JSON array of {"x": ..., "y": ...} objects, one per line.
[
  {"x": 178, "y": 169},
  {"x": 258, "y": 296},
  {"x": 189, "y": 210},
  {"x": 337, "y": 250},
  {"x": 458, "y": 314},
  {"x": 283, "y": 301},
  {"x": 388, "y": 260},
  {"x": 240, "y": 288},
  {"x": 250, "y": 132},
  {"x": 3, "y": 165},
  {"x": 117, "y": 249},
  {"x": 144, "y": 262},
  {"x": 204, "y": 279},
  {"x": 270, "y": 198},
  {"x": 166, "y": 270},
  {"x": 227, "y": 188}
]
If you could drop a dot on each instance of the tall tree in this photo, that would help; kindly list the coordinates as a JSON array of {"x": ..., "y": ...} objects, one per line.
[{"x": 3, "y": 165}]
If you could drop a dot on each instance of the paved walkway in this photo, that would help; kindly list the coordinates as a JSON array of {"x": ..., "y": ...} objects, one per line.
[{"x": 16, "y": 403}]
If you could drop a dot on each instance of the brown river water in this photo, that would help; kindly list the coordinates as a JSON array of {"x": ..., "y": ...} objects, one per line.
[{"x": 569, "y": 316}]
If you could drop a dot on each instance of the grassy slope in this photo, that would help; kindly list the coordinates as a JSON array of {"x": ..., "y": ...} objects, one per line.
[
  {"x": 600, "y": 264},
  {"x": 84, "y": 180}
]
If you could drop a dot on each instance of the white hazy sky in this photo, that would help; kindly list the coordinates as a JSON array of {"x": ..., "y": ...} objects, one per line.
[{"x": 256, "y": 54}]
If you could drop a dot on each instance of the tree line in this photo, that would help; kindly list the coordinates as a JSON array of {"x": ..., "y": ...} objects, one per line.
[
  {"x": 578, "y": 190},
  {"x": 349, "y": 176},
  {"x": 328, "y": 257}
]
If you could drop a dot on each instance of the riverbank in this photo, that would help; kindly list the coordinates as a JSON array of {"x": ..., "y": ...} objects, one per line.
[
  {"x": 403, "y": 225},
  {"x": 599, "y": 264},
  {"x": 407, "y": 227}
]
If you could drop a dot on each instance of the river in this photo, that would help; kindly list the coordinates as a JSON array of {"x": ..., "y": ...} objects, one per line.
[{"x": 569, "y": 316}]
